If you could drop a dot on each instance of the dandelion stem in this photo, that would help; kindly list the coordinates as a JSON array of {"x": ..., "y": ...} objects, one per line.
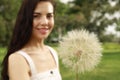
[{"x": 77, "y": 76}]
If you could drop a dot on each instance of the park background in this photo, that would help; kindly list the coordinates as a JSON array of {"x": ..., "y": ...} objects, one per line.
[{"x": 93, "y": 15}]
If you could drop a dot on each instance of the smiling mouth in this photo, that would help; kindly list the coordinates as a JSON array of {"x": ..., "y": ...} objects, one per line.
[{"x": 43, "y": 30}]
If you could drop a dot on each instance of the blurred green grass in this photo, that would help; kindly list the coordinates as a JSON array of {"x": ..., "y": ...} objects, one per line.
[
  {"x": 111, "y": 47},
  {"x": 108, "y": 69}
]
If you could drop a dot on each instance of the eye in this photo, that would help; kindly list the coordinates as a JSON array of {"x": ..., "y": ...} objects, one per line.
[
  {"x": 49, "y": 16},
  {"x": 36, "y": 16}
]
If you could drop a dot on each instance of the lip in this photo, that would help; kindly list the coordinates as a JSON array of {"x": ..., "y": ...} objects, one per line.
[{"x": 43, "y": 30}]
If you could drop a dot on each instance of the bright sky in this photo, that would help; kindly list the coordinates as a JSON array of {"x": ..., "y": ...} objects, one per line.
[
  {"x": 65, "y": 1},
  {"x": 111, "y": 30}
]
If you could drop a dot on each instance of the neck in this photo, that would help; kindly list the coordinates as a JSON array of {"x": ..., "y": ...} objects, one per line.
[{"x": 35, "y": 44}]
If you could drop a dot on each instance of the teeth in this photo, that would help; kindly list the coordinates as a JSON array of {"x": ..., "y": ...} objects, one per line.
[{"x": 44, "y": 28}]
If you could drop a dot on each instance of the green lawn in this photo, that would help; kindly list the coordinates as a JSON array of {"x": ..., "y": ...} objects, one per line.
[{"x": 108, "y": 69}]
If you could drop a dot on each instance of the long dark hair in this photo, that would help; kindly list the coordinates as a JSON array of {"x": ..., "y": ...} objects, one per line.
[{"x": 22, "y": 31}]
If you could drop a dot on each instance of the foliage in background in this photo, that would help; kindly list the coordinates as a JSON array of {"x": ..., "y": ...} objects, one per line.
[
  {"x": 94, "y": 12},
  {"x": 8, "y": 12}
]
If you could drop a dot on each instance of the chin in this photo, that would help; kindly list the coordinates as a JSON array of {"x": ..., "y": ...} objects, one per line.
[
  {"x": 40, "y": 36},
  {"x": 43, "y": 36}
]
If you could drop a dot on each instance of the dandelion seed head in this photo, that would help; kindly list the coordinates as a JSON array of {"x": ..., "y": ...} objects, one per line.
[{"x": 80, "y": 48}]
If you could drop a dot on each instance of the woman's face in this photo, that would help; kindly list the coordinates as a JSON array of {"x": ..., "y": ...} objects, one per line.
[{"x": 43, "y": 20}]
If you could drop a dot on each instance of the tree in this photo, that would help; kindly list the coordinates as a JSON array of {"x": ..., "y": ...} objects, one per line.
[
  {"x": 118, "y": 25},
  {"x": 118, "y": 30},
  {"x": 93, "y": 14},
  {"x": 2, "y": 30},
  {"x": 8, "y": 11}
]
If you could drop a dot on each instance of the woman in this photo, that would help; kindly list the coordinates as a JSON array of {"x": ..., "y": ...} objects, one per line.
[{"x": 28, "y": 58}]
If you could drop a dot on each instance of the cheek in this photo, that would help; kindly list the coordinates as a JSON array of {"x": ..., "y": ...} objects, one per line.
[
  {"x": 52, "y": 23},
  {"x": 35, "y": 23}
]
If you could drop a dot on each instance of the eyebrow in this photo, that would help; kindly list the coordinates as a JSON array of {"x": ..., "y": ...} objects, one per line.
[{"x": 40, "y": 13}]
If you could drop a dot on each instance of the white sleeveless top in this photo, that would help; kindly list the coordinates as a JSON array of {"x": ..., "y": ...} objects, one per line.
[{"x": 52, "y": 74}]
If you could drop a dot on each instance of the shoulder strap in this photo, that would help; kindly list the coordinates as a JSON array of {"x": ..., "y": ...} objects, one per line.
[
  {"x": 54, "y": 53},
  {"x": 30, "y": 62}
]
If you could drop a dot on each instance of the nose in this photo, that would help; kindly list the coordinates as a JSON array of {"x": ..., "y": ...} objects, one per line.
[{"x": 44, "y": 21}]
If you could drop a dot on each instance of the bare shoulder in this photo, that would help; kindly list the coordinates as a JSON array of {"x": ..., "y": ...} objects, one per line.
[
  {"x": 16, "y": 58},
  {"x": 17, "y": 67}
]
